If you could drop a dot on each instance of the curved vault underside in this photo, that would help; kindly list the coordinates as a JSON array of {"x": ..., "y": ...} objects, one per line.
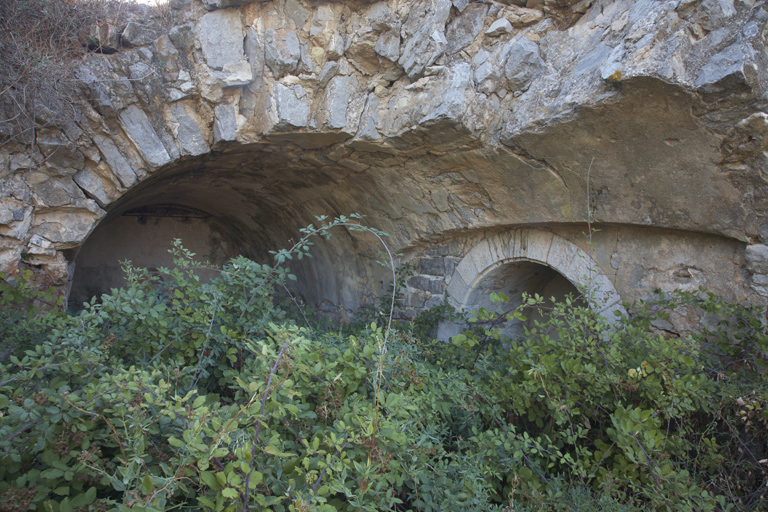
[{"x": 648, "y": 159}]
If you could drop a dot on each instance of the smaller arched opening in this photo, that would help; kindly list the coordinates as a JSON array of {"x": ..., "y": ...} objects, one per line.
[
  {"x": 516, "y": 278},
  {"x": 527, "y": 261}
]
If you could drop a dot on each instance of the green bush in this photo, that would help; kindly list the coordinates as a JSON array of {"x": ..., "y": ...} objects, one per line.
[
  {"x": 173, "y": 393},
  {"x": 659, "y": 422}
]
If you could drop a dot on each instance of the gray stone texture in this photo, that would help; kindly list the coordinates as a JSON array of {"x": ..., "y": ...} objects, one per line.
[
  {"x": 424, "y": 35},
  {"x": 221, "y": 38},
  {"x": 138, "y": 128},
  {"x": 297, "y": 13},
  {"x": 428, "y": 284},
  {"x": 523, "y": 63},
  {"x": 463, "y": 30},
  {"x": 388, "y": 45},
  {"x": 188, "y": 134},
  {"x": 499, "y": 27},
  {"x": 119, "y": 165},
  {"x": 729, "y": 64},
  {"x": 225, "y": 123},
  {"x": 137, "y": 34},
  {"x": 329, "y": 71},
  {"x": 338, "y": 93},
  {"x": 432, "y": 266},
  {"x": 212, "y": 5},
  {"x": 757, "y": 258},
  {"x": 254, "y": 51},
  {"x": 282, "y": 51},
  {"x": 292, "y": 106},
  {"x": 93, "y": 185},
  {"x": 182, "y": 37},
  {"x": 55, "y": 192},
  {"x": 59, "y": 150}
]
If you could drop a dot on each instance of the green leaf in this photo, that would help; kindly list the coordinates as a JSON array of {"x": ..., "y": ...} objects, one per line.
[
  {"x": 209, "y": 479},
  {"x": 146, "y": 485},
  {"x": 52, "y": 473},
  {"x": 255, "y": 479},
  {"x": 271, "y": 450},
  {"x": 459, "y": 339},
  {"x": 229, "y": 493},
  {"x": 66, "y": 506},
  {"x": 207, "y": 502}
]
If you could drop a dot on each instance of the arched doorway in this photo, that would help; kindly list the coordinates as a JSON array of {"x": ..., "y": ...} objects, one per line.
[
  {"x": 515, "y": 278},
  {"x": 528, "y": 261}
]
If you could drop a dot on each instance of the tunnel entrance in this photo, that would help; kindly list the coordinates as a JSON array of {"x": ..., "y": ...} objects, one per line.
[
  {"x": 245, "y": 202},
  {"x": 532, "y": 261},
  {"x": 144, "y": 236},
  {"x": 515, "y": 279}
]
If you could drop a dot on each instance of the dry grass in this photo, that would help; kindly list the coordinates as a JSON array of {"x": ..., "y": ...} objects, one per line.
[{"x": 41, "y": 45}]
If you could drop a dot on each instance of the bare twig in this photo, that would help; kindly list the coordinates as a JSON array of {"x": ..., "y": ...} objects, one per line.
[
  {"x": 258, "y": 429},
  {"x": 22, "y": 430}
]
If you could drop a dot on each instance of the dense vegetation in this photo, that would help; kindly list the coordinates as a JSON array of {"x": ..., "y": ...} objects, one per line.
[{"x": 172, "y": 393}]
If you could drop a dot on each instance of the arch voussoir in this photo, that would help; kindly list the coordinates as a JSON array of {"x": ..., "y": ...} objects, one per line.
[{"x": 543, "y": 248}]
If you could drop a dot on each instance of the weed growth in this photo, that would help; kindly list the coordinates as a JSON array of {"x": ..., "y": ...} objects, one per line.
[{"x": 42, "y": 43}]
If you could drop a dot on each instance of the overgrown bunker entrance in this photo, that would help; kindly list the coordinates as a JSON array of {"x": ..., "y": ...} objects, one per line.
[
  {"x": 527, "y": 261},
  {"x": 244, "y": 203},
  {"x": 517, "y": 280}
]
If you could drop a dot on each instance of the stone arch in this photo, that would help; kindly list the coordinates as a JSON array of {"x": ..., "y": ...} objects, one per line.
[
  {"x": 241, "y": 202},
  {"x": 554, "y": 255}
]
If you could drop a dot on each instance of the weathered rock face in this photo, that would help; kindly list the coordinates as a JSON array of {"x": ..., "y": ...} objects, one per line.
[{"x": 445, "y": 123}]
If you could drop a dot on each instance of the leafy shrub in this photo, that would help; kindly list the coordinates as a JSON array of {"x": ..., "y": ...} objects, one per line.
[
  {"x": 173, "y": 393},
  {"x": 21, "y": 303},
  {"x": 423, "y": 326}
]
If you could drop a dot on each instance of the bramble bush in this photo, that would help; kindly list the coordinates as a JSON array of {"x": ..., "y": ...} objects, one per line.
[{"x": 174, "y": 393}]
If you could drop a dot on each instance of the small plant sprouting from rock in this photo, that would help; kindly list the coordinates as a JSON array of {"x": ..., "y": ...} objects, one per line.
[{"x": 42, "y": 43}]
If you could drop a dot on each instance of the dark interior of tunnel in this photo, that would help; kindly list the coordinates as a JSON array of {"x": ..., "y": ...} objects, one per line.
[
  {"x": 226, "y": 207},
  {"x": 252, "y": 199},
  {"x": 515, "y": 279}
]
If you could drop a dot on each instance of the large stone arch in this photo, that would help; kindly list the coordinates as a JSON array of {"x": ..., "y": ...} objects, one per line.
[
  {"x": 541, "y": 248},
  {"x": 439, "y": 121}
]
